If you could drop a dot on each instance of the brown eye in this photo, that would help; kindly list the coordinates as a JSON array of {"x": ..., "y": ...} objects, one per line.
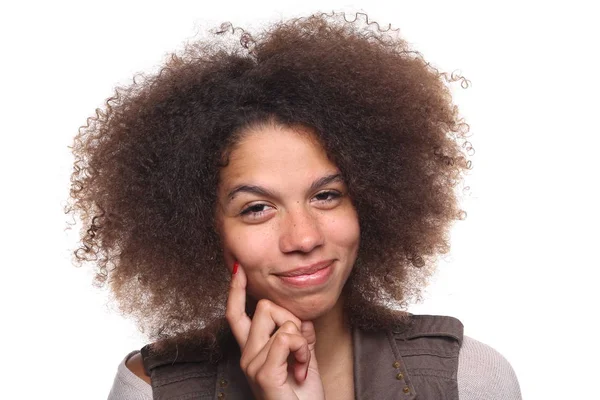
[
  {"x": 257, "y": 213},
  {"x": 328, "y": 196},
  {"x": 254, "y": 210}
]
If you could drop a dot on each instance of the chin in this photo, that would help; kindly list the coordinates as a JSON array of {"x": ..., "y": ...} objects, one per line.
[
  {"x": 310, "y": 315},
  {"x": 309, "y": 310}
]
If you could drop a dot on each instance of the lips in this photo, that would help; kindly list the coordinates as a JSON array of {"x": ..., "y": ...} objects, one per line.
[{"x": 306, "y": 270}]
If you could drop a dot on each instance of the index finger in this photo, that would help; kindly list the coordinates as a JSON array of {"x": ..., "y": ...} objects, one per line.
[{"x": 235, "y": 313}]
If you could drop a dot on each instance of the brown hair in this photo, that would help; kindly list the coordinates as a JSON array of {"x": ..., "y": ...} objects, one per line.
[{"x": 146, "y": 166}]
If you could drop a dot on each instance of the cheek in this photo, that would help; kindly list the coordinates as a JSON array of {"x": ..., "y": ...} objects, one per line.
[
  {"x": 253, "y": 249},
  {"x": 250, "y": 247},
  {"x": 344, "y": 231}
]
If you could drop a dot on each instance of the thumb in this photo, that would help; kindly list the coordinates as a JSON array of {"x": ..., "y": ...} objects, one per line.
[
  {"x": 308, "y": 331},
  {"x": 301, "y": 368},
  {"x": 307, "y": 328}
]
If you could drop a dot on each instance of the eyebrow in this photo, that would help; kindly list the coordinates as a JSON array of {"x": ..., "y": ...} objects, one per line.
[{"x": 261, "y": 191}]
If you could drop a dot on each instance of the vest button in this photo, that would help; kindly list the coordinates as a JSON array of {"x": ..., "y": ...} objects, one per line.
[
  {"x": 223, "y": 383},
  {"x": 406, "y": 390},
  {"x": 396, "y": 364},
  {"x": 400, "y": 376}
]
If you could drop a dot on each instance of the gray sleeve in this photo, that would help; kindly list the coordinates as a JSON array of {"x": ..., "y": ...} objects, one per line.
[
  {"x": 128, "y": 386},
  {"x": 484, "y": 374}
]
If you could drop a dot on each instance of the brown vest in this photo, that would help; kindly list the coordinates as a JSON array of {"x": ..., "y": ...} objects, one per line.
[{"x": 418, "y": 361}]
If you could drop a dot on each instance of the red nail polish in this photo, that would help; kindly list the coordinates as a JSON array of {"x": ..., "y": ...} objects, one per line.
[{"x": 235, "y": 267}]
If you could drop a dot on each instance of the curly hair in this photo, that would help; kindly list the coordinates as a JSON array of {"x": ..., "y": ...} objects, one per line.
[{"x": 147, "y": 165}]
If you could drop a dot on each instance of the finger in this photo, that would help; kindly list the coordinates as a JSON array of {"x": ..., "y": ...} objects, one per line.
[
  {"x": 282, "y": 346},
  {"x": 251, "y": 363},
  {"x": 267, "y": 317},
  {"x": 307, "y": 329},
  {"x": 235, "y": 313}
]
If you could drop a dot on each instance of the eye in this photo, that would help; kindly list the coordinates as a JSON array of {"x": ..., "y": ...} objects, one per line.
[
  {"x": 328, "y": 197},
  {"x": 255, "y": 211}
]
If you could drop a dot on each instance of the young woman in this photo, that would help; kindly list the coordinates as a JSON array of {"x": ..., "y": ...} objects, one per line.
[{"x": 266, "y": 211}]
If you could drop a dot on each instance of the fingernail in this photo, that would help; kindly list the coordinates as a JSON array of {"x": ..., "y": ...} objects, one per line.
[{"x": 235, "y": 267}]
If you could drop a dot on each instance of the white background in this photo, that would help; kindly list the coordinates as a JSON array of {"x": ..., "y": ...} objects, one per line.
[{"x": 522, "y": 274}]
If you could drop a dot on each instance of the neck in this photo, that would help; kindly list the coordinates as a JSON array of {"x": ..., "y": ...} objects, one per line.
[{"x": 334, "y": 338}]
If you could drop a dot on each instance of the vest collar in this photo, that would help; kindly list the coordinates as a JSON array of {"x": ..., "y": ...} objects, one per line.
[{"x": 378, "y": 368}]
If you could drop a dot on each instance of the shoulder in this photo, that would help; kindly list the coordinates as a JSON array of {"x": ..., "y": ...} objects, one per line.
[
  {"x": 131, "y": 382},
  {"x": 483, "y": 373},
  {"x": 411, "y": 326},
  {"x": 136, "y": 365}
]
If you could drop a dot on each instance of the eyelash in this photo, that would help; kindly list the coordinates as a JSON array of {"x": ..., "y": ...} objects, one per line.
[{"x": 332, "y": 196}]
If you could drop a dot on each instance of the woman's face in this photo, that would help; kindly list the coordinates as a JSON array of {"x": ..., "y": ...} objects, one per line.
[{"x": 284, "y": 214}]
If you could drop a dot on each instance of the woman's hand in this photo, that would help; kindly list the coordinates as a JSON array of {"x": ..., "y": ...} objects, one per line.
[{"x": 280, "y": 365}]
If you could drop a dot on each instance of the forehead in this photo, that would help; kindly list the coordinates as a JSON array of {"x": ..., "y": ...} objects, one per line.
[{"x": 272, "y": 155}]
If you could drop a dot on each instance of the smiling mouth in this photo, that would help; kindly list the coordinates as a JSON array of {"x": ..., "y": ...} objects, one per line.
[
  {"x": 306, "y": 270},
  {"x": 314, "y": 275}
]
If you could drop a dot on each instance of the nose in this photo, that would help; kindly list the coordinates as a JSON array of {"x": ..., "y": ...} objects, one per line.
[{"x": 300, "y": 231}]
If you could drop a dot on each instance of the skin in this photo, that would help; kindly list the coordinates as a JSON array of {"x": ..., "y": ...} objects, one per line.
[
  {"x": 302, "y": 215},
  {"x": 295, "y": 224}
]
